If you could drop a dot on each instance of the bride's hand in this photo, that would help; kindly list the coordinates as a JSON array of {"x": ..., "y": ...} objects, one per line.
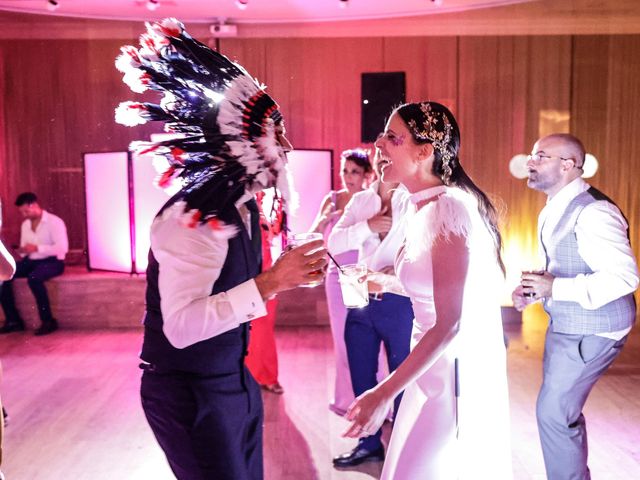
[
  {"x": 367, "y": 413},
  {"x": 376, "y": 280}
]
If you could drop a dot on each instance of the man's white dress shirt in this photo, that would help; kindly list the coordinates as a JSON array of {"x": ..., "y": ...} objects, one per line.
[
  {"x": 50, "y": 237},
  {"x": 190, "y": 261}
]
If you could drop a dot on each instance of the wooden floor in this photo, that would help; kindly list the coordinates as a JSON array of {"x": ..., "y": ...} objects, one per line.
[{"x": 74, "y": 411}]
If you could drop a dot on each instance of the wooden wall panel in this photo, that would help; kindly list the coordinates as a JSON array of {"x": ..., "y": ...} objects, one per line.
[
  {"x": 547, "y": 88},
  {"x": 606, "y": 103},
  {"x": 59, "y": 96},
  {"x": 504, "y": 84},
  {"x": 317, "y": 84},
  {"x": 59, "y": 99},
  {"x": 430, "y": 64}
]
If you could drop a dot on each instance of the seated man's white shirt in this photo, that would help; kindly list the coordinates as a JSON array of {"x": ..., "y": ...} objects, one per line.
[{"x": 50, "y": 237}]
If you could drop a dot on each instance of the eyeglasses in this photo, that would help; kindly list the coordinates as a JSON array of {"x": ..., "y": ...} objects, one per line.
[{"x": 538, "y": 157}]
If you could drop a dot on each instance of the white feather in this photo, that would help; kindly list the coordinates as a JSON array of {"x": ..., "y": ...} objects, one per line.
[
  {"x": 130, "y": 117},
  {"x": 452, "y": 213}
]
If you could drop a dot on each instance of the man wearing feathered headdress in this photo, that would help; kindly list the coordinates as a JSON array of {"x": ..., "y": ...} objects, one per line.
[{"x": 203, "y": 281}]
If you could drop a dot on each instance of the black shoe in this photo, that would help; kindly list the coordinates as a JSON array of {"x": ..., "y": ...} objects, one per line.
[
  {"x": 47, "y": 328},
  {"x": 11, "y": 327},
  {"x": 357, "y": 456}
]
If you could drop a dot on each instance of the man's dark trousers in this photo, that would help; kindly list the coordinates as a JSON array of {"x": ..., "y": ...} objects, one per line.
[{"x": 36, "y": 272}]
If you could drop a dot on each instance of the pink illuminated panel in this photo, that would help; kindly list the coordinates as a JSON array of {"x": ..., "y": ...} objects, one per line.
[
  {"x": 311, "y": 171},
  {"x": 148, "y": 199},
  {"x": 117, "y": 241},
  {"x": 107, "y": 198}
]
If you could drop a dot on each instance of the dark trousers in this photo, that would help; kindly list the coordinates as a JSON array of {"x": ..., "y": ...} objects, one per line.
[
  {"x": 37, "y": 272},
  {"x": 210, "y": 427},
  {"x": 388, "y": 321}
]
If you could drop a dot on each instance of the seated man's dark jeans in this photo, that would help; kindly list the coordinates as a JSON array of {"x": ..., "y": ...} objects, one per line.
[{"x": 37, "y": 272}]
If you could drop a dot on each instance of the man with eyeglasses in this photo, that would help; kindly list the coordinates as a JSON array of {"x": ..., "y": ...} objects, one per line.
[{"x": 587, "y": 290}]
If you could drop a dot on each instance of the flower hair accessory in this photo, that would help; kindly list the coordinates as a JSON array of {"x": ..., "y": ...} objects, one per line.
[
  {"x": 435, "y": 129},
  {"x": 225, "y": 124}
]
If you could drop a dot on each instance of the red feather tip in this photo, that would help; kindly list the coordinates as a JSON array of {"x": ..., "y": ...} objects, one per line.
[
  {"x": 169, "y": 31},
  {"x": 150, "y": 149},
  {"x": 166, "y": 177},
  {"x": 131, "y": 51},
  {"x": 178, "y": 154},
  {"x": 195, "y": 218},
  {"x": 214, "y": 224}
]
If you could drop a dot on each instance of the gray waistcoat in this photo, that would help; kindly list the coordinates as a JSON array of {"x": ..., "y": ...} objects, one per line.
[{"x": 563, "y": 261}]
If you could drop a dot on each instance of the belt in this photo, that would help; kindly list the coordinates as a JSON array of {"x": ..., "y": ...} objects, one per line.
[{"x": 376, "y": 296}]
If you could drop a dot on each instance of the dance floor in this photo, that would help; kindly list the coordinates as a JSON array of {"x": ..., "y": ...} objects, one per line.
[{"x": 74, "y": 412}]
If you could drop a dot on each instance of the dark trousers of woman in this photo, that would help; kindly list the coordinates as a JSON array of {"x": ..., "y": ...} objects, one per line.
[
  {"x": 386, "y": 321},
  {"x": 37, "y": 272}
]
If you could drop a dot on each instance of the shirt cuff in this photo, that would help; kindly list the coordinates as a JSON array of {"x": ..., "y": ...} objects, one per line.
[
  {"x": 246, "y": 301},
  {"x": 563, "y": 290}
]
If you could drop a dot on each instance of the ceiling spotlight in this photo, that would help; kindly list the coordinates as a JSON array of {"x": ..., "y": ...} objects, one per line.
[
  {"x": 153, "y": 5},
  {"x": 242, "y": 4},
  {"x": 52, "y": 5},
  {"x": 344, "y": 3}
]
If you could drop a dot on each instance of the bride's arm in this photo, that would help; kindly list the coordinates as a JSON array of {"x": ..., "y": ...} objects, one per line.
[{"x": 450, "y": 260}]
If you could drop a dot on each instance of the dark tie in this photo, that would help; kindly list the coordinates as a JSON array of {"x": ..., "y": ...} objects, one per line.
[{"x": 256, "y": 233}]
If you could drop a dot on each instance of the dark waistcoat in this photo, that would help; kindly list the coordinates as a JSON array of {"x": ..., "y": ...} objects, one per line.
[{"x": 219, "y": 355}]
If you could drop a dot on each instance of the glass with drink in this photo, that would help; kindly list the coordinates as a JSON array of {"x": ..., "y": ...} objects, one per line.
[
  {"x": 298, "y": 239},
  {"x": 355, "y": 293}
]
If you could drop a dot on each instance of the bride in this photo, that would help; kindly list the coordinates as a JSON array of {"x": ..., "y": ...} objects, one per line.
[{"x": 453, "y": 422}]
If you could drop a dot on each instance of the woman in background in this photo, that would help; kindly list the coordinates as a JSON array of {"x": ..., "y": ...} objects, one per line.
[
  {"x": 354, "y": 173},
  {"x": 262, "y": 356},
  {"x": 453, "y": 422}
]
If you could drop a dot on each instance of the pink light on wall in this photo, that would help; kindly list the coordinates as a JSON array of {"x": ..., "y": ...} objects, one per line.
[
  {"x": 108, "y": 219},
  {"x": 148, "y": 200},
  {"x": 122, "y": 202},
  {"x": 312, "y": 177}
]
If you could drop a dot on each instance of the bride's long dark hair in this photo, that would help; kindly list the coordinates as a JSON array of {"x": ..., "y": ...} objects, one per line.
[{"x": 431, "y": 122}]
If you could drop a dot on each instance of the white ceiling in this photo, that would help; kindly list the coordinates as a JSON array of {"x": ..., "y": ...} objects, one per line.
[{"x": 257, "y": 11}]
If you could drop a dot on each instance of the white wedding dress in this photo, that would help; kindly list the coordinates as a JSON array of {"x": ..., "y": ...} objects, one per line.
[{"x": 434, "y": 436}]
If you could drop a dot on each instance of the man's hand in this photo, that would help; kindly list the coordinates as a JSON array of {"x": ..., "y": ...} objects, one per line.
[
  {"x": 520, "y": 302},
  {"x": 538, "y": 284},
  {"x": 533, "y": 287},
  {"x": 381, "y": 223},
  {"x": 293, "y": 268},
  {"x": 28, "y": 248}
]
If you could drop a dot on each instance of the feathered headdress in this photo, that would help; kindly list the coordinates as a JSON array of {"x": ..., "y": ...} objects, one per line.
[{"x": 226, "y": 139}]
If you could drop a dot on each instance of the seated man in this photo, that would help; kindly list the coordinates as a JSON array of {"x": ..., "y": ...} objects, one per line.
[{"x": 43, "y": 246}]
